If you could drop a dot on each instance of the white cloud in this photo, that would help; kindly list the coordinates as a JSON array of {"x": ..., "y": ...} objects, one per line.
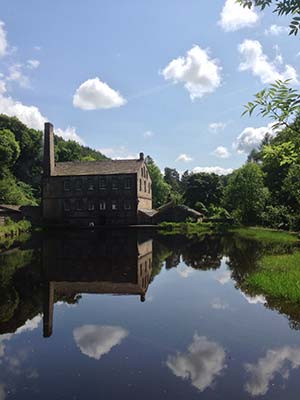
[
  {"x": 217, "y": 304},
  {"x": 259, "y": 64},
  {"x": 234, "y": 17},
  {"x": 184, "y": 158},
  {"x": 118, "y": 153},
  {"x": 185, "y": 271},
  {"x": 69, "y": 134},
  {"x": 148, "y": 134},
  {"x": 279, "y": 361},
  {"x": 37, "y": 48},
  {"x": 33, "y": 64},
  {"x": 2, "y": 87},
  {"x": 199, "y": 73},
  {"x": 221, "y": 152},
  {"x": 224, "y": 277},
  {"x": 216, "y": 127},
  {"x": 201, "y": 364},
  {"x": 95, "y": 341},
  {"x": 3, "y": 40},
  {"x": 213, "y": 170},
  {"x": 29, "y": 115},
  {"x": 260, "y": 299},
  {"x": 251, "y": 138},
  {"x": 94, "y": 94},
  {"x": 15, "y": 74},
  {"x": 276, "y": 30}
]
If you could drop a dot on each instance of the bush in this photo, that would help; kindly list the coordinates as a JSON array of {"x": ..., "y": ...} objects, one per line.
[{"x": 276, "y": 217}]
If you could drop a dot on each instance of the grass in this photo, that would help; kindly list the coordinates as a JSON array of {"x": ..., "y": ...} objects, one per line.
[
  {"x": 278, "y": 276},
  {"x": 267, "y": 235}
]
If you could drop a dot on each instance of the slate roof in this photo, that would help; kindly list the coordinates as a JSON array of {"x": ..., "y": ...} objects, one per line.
[
  {"x": 106, "y": 167},
  {"x": 9, "y": 207}
]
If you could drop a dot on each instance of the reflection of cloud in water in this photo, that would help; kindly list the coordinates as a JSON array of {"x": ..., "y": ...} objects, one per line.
[
  {"x": 217, "y": 304},
  {"x": 224, "y": 277},
  {"x": 94, "y": 341},
  {"x": 279, "y": 361},
  {"x": 255, "y": 299},
  {"x": 202, "y": 363},
  {"x": 29, "y": 325},
  {"x": 184, "y": 271}
]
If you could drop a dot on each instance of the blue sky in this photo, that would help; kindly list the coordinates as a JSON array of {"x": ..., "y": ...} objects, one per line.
[{"x": 165, "y": 77}]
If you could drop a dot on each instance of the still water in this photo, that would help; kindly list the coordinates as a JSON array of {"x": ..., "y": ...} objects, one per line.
[{"x": 90, "y": 315}]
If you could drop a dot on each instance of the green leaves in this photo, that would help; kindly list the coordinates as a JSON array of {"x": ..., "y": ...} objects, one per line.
[
  {"x": 281, "y": 7},
  {"x": 279, "y": 102}
]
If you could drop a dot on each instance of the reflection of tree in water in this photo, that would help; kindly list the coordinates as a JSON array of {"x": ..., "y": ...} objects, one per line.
[{"x": 244, "y": 256}]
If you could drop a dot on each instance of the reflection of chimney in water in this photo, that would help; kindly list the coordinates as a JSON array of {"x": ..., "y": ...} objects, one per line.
[{"x": 48, "y": 309}]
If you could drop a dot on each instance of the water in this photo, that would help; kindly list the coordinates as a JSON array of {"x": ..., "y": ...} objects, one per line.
[{"x": 87, "y": 315}]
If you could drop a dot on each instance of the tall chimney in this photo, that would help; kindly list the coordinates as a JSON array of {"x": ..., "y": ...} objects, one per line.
[
  {"x": 49, "y": 162},
  {"x": 141, "y": 156}
]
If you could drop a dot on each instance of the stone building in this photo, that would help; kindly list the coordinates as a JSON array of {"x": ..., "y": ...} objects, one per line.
[{"x": 94, "y": 193}]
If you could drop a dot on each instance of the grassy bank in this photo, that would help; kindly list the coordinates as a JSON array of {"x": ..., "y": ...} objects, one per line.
[
  {"x": 267, "y": 235},
  {"x": 185, "y": 228},
  {"x": 278, "y": 276}
]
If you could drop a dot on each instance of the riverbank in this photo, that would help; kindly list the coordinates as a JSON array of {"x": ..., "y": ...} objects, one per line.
[{"x": 11, "y": 231}]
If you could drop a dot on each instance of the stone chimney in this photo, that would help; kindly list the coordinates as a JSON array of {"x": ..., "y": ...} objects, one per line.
[
  {"x": 49, "y": 162},
  {"x": 142, "y": 156}
]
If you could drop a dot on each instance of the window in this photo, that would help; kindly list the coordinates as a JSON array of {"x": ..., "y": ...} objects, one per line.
[
  {"x": 67, "y": 205},
  {"x": 102, "y": 183},
  {"x": 127, "y": 205},
  {"x": 145, "y": 186},
  {"x": 128, "y": 183},
  {"x": 115, "y": 184},
  {"x": 78, "y": 205},
  {"x": 78, "y": 184},
  {"x": 91, "y": 184},
  {"x": 114, "y": 205},
  {"x": 102, "y": 205},
  {"x": 146, "y": 173},
  {"x": 67, "y": 185},
  {"x": 91, "y": 205},
  {"x": 149, "y": 187},
  {"x": 140, "y": 185},
  {"x": 143, "y": 172}
]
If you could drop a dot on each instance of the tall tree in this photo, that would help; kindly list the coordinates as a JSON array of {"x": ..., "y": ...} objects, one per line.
[
  {"x": 172, "y": 178},
  {"x": 160, "y": 189},
  {"x": 205, "y": 188}
]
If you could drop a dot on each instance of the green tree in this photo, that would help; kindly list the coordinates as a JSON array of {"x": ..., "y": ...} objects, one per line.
[
  {"x": 280, "y": 7},
  {"x": 204, "y": 188},
  {"x": 160, "y": 189},
  {"x": 292, "y": 183},
  {"x": 172, "y": 178},
  {"x": 245, "y": 194},
  {"x": 9, "y": 150}
]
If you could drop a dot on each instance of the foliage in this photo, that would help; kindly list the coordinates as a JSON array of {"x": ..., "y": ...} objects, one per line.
[
  {"x": 281, "y": 7},
  {"x": 16, "y": 192},
  {"x": 73, "y": 151},
  {"x": 246, "y": 194},
  {"x": 172, "y": 178},
  {"x": 185, "y": 228},
  {"x": 205, "y": 188},
  {"x": 160, "y": 189},
  {"x": 278, "y": 276},
  {"x": 15, "y": 228},
  {"x": 9, "y": 150}
]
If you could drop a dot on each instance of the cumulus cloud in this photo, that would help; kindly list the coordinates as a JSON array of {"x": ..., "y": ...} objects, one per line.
[
  {"x": 3, "y": 40},
  {"x": 260, "y": 299},
  {"x": 216, "y": 127},
  {"x": 213, "y": 170},
  {"x": 69, "y": 134},
  {"x": 251, "y": 138},
  {"x": 184, "y": 271},
  {"x": 279, "y": 361},
  {"x": 221, "y": 152},
  {"x": 94, "y": 341},
  {"x": 276, "y": 30},
  {"x": 258, "y": 63},
  {"x": 201, "y": 364},
  {"x": 94, "y": 94},
  {"x": 148, "y": 134},
  {"x": 234, "y": 17},
  {"x": 197, "y": 70},
  {"x": 184, "y": 158},
  {"x": 118, "y": 153},
  {"x": 218, "y": 304},
  {"x": 33, "y": 64},
  {"x": 224, "y": 277}
]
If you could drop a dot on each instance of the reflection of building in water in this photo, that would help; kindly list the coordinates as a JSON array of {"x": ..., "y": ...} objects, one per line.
[{"x": 117, "y": 263}]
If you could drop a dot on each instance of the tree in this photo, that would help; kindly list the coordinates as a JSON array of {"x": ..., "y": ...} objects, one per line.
[
  {"x": 172, "y": 178},
  {"x": 281, "y": 7},
  {"x": 205, "y": 188},
  {"x": 160, "y": 189},
  {"x": 9, "y": 150},
  {"x": 292, "y": 183},
  {"x": 246, "y": 194}
]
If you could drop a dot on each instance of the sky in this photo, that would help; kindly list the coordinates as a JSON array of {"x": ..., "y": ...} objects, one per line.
[{"x": 168, "y": 78}]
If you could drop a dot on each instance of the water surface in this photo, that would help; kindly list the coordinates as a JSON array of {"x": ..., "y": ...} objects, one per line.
[{"x": 86, "y": 315}]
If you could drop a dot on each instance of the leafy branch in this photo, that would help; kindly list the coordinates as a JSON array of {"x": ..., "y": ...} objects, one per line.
[{"x": 281, "y": 7}]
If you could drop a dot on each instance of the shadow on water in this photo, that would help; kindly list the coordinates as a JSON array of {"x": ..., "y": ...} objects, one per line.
[{"x": 61, "y": 267}]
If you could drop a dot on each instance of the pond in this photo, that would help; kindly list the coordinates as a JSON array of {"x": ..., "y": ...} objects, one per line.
[{"x": 129, "y": 314}]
